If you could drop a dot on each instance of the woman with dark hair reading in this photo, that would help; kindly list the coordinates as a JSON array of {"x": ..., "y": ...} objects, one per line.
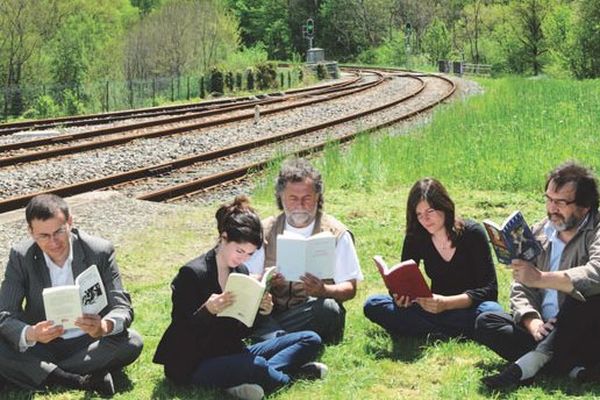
[
  {"x": 458, "y": 261},
  {"x": 200, "y": 348}
]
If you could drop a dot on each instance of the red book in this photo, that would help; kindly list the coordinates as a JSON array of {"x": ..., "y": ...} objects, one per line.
[{"x": 404, "y": 279}]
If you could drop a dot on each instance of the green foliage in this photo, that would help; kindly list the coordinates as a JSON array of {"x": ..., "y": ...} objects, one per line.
[
  {"x": 436, "y": 41},
  {"x": 71, "y": 104},
  {"x": 246, "y": 57},
  {"x": 229, "y": 81},
  {"x": 250, "y": 79},
  {"x": 238, "y": 80},
  {"x": 586, "y": 54},
  {"x": 321, "y": 72},
  {"x": 266, "y": 76},
  {"x": 44, "y": 107},
  {"x": 392, "y": 52},
  {"x": 215, "y": 77}
]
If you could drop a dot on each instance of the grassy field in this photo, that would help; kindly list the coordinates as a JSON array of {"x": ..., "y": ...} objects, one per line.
[{"x": 491, "y": 151}]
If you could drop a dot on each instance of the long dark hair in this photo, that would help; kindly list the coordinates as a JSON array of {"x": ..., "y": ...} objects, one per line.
[
  {"x": 434, "y": 193},
  {"x": 240, "y": 222}
]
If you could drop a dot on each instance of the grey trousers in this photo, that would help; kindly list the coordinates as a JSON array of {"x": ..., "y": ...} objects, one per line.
[
  {"x": 80, "y": 355},
  {"x": 326, "y": 317}
]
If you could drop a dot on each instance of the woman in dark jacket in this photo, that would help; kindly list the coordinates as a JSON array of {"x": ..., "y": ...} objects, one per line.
[
  {"x": 458, "y": 261},
  {"x": 202, "y": 349}
]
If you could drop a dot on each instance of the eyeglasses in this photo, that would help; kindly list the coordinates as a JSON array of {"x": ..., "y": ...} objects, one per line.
[
  {"x": 46, "y": 237},
  {"x": 560, "y": 203}
]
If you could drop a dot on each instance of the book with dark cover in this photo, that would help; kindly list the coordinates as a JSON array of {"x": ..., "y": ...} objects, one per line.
[
  {"x": 513, "y": 239},
  {"x": 403, "y": 279}
]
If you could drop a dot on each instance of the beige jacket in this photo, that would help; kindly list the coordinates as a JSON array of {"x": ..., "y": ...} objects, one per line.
[
  {"x": 580, "y": 259},
  {"x": 293, "y": 293}
]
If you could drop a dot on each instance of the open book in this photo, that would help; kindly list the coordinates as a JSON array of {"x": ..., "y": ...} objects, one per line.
[
  {"x": 404, "y": 279},
  {"x": 64, "y": 304},
  {"x": 513, "y": 239},
  {"x": 297, "y": 255},
  {"x": 248, "y": 295}
]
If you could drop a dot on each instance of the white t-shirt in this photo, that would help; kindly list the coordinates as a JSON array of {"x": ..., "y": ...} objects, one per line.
[{"x": 347, "y": 266}]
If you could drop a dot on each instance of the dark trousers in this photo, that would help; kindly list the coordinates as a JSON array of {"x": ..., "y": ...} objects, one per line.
[{"x": 576, "y": 335}]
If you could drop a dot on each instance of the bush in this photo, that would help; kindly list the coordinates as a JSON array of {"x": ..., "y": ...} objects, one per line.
[
  {"x": 216, "y": 80},
  {"x": 71, "y": 105},
  {"x": 43, "y": 107},
  {"x": 321, "y": 72},
  {"x": 266, "y": 76},
  {"x": 238, "y": 80},
  {"x": 249, "y": 79},
  {"x": 229, "y": 81}
]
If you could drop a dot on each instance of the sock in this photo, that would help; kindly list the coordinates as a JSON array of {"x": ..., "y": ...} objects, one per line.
[
  {"x": 64, "y": 378},
  {"x": 531, "y": 363}
]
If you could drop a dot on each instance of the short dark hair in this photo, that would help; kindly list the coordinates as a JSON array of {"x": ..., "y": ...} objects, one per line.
[
  {"x": 298, "y": 170},
  {"x": 240, "y": 222},
  {"x": 584, "y": 179},
  {"x": 435, "y": 194},
  {"x": 46, "y": 206}
]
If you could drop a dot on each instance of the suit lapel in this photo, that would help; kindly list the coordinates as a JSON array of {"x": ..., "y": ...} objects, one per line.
[
  {"x": 41, "y": 269},
  {"x": 79, "y": 260}
]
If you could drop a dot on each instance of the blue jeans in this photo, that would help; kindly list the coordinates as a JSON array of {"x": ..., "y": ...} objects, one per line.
[
  {"x": 414, "y": 321},
  {"x": 268, "y": 364}
]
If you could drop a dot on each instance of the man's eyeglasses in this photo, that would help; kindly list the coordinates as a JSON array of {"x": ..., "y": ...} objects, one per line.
[
  {"x": 560, "y": 203},
  {"x": 46, "y": 237}
]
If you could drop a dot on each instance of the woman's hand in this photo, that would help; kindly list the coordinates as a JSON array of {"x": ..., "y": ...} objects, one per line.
[
  {"x": 266, "y": 304},
  {"x": 218, "y": 302},
  {"x": 402, "y": 301},
  {"x": 434, "y": 305}
]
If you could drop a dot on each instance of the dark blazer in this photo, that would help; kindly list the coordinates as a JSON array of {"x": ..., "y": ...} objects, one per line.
[
  {"x": 26, "y": 275},
  {"x": 194, "y": 333}
]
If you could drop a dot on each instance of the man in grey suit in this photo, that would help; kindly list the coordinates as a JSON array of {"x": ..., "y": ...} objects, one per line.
[{"x": 36, "y": 353}]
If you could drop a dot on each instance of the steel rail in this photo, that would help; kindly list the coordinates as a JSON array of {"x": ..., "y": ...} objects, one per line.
[
  {"x": 171, "y": 120},
  {"x": 102, "y": 118},
  {"x": 64, "y": 150},
  {"x": 187, "y": 189},
  {"x": 140, "y": 173}
]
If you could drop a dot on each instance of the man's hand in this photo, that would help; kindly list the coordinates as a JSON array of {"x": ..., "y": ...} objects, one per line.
[
  {"x": 526, "y": 273},
  {"x": 218, "y": 302},
  {"x": 266, "y": 304},
  {"x": 313, "y": 285},
  {"x": 43, "y": 332},
  {"x": 538, "y": 329},
  {"x": 277, "y": 280},
  {"x": 94, "y": 325},
  {"x": 434, "y": 305}
]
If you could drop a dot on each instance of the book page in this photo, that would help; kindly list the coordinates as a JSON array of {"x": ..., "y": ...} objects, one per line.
[
  {"x": 92, "y": 292},
  {"x": 62, "y": 305},
  {"x": 291, "y": 256},
  {"x": 320, "y": 256},
  {"x": 248, "y": 294}
]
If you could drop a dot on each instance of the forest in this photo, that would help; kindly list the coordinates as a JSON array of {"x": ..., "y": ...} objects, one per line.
[{"x": 55, "y": 53}]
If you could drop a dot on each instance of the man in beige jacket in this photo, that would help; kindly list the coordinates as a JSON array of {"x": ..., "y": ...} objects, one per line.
[{"x": 554, "y": 301}]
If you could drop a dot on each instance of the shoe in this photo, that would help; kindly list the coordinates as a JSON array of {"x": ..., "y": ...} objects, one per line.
[
  {"x": 100, "y": 383},
  {"x": 509, "y": 378},
  {"x": 247, "y": 391},
  {"x": 587, "y": 375},
  {"x": 312, "y": 370}
]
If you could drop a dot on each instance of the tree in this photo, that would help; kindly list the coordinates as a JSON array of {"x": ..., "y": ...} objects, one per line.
[
  {"x": 586, "y": 54},
  {"x": 530, "y": 15},
  {"x": 436, "y": 41}
]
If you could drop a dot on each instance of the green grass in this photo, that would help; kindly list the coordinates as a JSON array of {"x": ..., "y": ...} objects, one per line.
[{"x": 491, "y": 151}]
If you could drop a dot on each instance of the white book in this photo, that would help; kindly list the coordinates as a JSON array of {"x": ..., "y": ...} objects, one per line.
[
  {"x": 297, "y": 255},
  {"x": 248, "y": 294},
  {"x": 64, "y": 304}
]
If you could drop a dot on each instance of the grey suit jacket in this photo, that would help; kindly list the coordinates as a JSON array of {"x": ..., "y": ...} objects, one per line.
[{"x": 21, "y": 301}]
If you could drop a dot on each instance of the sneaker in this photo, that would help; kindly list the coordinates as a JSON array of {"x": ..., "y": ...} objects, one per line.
[
  {"x": 312, "y": 370},
  {"x": 247, "y": 391},
  {"x": 509, "y": 378},
  {"x": 100, "y": 383}
]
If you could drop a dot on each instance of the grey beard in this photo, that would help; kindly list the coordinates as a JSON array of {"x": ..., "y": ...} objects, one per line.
[
  {"x": 299, "y": 219},
  {"x": 569, "y": 224}
]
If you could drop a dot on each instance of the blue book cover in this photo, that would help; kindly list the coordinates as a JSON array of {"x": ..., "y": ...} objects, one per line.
[{"x": 513, "y": 239}]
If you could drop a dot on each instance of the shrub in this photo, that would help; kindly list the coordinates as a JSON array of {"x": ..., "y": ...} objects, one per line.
[
  {"x": 249, "y": 79},
  {"x": 216, "y": 80},
  {"x": 266, "y": 76},
  {"x": 43, "y": 107}
]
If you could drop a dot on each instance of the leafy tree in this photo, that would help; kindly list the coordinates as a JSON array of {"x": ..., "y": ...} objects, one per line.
[
  {"x": 530, "y": 15},
  {"x": 586, "y": 54},
  {"x": 146, "y": 6},
  {"x": 436, "y": 41},
  {"x": 559, "y": 31}
]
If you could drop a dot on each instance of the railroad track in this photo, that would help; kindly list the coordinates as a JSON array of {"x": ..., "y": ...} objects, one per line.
[
  {"x": 112, "y": 136},
  {"x": 216, "y": 167},
  {"x": 109, "y": 117}
]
